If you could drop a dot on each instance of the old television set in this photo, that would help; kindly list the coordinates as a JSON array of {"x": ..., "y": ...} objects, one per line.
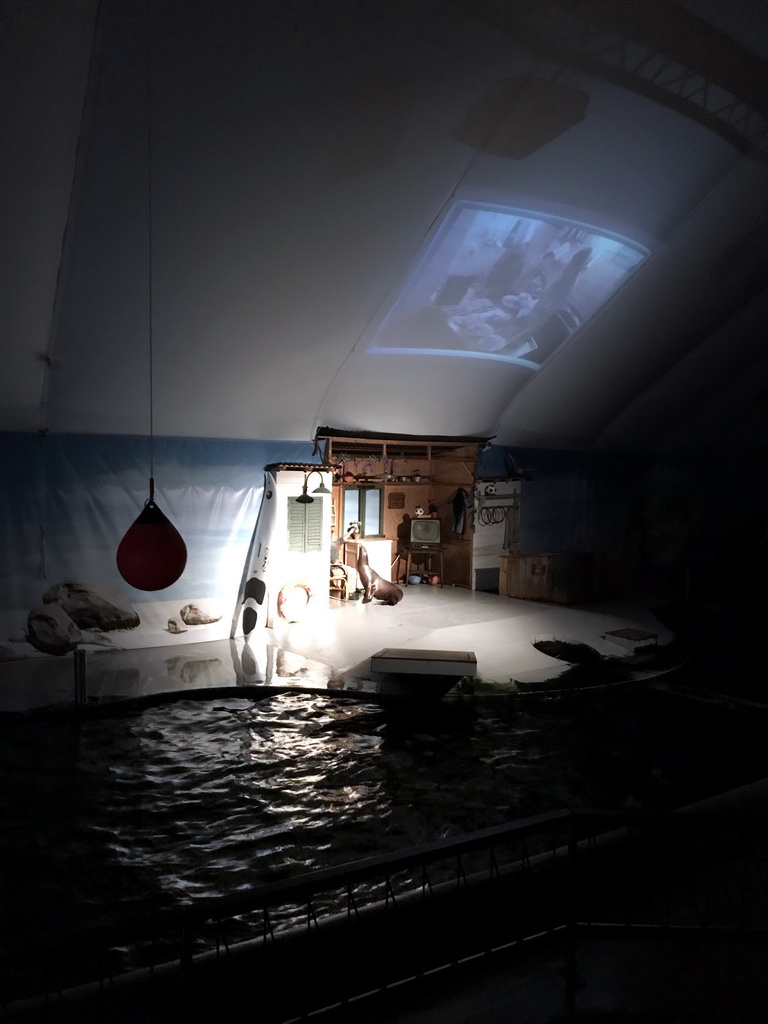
[{"x": 425, "y": 533}]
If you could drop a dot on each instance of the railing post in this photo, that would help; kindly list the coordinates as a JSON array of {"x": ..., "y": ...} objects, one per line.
[
  {"x": 186, "y": 964},
  {"x": 81, "y": 683},
  {"x": 570, "y": 931}
]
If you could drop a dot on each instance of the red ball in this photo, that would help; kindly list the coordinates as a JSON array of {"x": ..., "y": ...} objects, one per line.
[{"x": 152, "y": 555}]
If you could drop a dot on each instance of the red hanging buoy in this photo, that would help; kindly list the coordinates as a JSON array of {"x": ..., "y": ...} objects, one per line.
[{"x": 152, "y": 554}]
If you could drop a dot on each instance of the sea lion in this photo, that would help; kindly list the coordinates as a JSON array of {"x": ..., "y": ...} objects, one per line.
[{"x": 375, "y": 585}]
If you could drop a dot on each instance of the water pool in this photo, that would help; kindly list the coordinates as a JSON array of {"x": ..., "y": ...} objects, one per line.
[{"x": 205, "y": 798}]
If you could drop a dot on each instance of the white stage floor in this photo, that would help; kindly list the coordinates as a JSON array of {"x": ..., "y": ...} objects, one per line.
[
  {"x": 332, "y": 649},
  {"x": 500, "y": 631}
]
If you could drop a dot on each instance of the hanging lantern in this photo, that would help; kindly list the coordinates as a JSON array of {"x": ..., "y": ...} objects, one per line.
[{"x": 152, "y": 554}]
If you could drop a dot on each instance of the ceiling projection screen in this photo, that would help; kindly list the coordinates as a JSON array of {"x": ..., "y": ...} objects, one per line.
[{"x": 505, "y": 283}]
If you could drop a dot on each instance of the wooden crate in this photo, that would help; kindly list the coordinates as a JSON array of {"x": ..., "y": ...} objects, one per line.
[{"x": 562, "y": 578}]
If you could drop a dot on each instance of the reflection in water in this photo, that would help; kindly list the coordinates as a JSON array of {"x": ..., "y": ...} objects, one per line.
[
  {"x": 204, "y": 798},
  {"x": 250, "y": 662},
  {"x": 193, "y": 671}
]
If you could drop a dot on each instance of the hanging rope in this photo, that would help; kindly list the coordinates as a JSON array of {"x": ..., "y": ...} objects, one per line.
[
  {"x": 397, "y": 278},
  {"x": 90, "y": 92},
  {"x": 492, "y": 515},
  {"x": 150, "y": 274}
]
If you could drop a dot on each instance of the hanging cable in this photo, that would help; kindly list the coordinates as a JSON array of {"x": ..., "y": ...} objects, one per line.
[
  {"x": 386, "y": 301},
  {"x": 93, "y": 76},
  {"x": 90, "y": 92},
  {"x": 152, "y": 554},
  {"x": 150, "y": 269}
]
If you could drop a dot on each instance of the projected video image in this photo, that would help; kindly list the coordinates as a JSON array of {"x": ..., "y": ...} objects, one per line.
[{"x": 506, "y": 283}]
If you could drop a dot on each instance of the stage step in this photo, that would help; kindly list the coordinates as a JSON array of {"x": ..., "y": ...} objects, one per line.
[{"x": 437, "y": 663}]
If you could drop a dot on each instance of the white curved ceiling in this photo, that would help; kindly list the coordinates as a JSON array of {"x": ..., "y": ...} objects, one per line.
[{"x": 303, "y": 156}]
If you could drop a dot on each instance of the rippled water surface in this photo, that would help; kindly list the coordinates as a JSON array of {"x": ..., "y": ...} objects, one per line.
[{"x": 210, "y": 797}]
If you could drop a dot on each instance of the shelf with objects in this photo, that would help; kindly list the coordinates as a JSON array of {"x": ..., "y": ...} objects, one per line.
[{"x": 384, "y": 483}]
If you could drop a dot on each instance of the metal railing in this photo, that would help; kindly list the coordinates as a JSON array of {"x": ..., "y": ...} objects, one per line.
[{"x": 299, "y": 945}]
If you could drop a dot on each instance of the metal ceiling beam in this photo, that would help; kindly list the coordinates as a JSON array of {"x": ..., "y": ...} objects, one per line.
[{"x": 652, "y": 47}]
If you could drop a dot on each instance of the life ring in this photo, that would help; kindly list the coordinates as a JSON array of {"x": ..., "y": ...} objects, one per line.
[{"x": 292, "y": 601}]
